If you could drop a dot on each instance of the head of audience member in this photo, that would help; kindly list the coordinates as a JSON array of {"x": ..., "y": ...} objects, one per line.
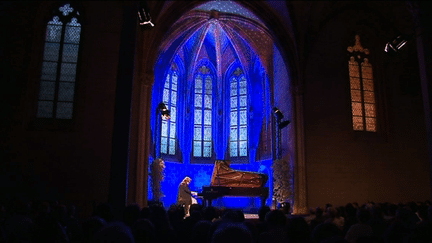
[
  {"x": 200, "y": 231},
  {"x": 145, "y": 213},
  {"x": 176, "y": 213},
  {"x": 412, "y": 206},
  {"x": 276, "y": 218},
  {"x": 376, "y": 212},
  {"x": 105, "y": 211},
  {"x": 209, "y": 213},
  {"x": 230, "y": 232},
  {"x": 131, "y": 214},
  {"x": 115, "y": 232},
  {"x": 325, "y": 231},
  {"x": 253, "y": 229},
  {"x": 159, "y": 217},
  {"x": 331, "y": 212},
  {"x": 422, "y": 212},
  {"x": 341, "y": 211},
  {"x": 318, "y": 212},
  {"x": 298, "y": 230},
  {"x": 232, "y": 216},
  {"x": 391, "y": 210},
  {"x": 404, "y": 215},
  {"x": 90, "y": 226},
  {"x": 350, "y": 210},
  {"x": 143, "y": 231},
  {"x": 363, "y": 215},
  {"x": 262, "y": 211}
]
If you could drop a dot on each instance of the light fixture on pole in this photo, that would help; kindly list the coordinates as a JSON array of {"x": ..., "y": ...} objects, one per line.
[
  {"x": 279, "y": 116},
  {"x": 164, "y": 112},
  {"x": 280, "y": 124}
]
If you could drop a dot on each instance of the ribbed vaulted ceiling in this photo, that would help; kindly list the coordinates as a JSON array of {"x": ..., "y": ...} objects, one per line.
[{"x": 222, "y": 32}]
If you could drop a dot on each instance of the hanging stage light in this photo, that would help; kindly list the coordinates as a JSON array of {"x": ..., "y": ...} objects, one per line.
[
  {"x": 394, "y": 46},
  {"x": 144, "y": 15}
]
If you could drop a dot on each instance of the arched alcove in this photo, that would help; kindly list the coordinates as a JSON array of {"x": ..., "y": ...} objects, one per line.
[{"x": 228, "y": 41}]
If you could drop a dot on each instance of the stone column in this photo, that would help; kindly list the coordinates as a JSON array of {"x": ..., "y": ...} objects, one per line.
[
  {"x": 117, "y": 194},
  {"x": 422, "y": 21},
  {"x": 144, "y": 136},
  {"x": 300, "y": 183}
]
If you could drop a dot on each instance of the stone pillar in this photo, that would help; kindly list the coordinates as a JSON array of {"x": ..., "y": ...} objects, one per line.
[
  {"x": 144, "y": 136},
  {"x": 300, "y": 183},
  {"x": 117, "y": 194},
  {"x": 422, "y": 21}
]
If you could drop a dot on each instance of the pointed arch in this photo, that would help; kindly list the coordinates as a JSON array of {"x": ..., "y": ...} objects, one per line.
[{"x": 59, "y": 64}]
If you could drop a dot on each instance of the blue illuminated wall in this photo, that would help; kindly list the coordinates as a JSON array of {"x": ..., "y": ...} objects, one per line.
[{"x": 209, "y": 42}]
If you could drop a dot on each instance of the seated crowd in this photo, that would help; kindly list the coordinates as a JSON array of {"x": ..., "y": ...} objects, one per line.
[{"x": 371, "y": 222}]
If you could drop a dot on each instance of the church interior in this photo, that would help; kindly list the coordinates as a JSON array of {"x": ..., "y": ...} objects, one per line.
[{"x": 118, "y": 101}]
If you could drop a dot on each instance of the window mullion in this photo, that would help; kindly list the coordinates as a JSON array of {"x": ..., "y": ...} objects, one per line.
[
  {"x": 238, "y": 116},
  {"x": 59, "y": 66},
  {"x": 362, "y": 95}
]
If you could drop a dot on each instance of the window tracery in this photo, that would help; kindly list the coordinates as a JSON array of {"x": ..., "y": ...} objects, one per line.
[{"x": 362, "y": 88}]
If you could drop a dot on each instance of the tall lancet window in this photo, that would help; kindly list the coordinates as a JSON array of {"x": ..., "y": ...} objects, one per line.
[
  {"x": 59, "y": 66},
  {"x": 238, "y": 114},
  {"x": 168, "y": 128},
  {"x": 202, "y": 142},
  {"x": 362, "y": 88}
]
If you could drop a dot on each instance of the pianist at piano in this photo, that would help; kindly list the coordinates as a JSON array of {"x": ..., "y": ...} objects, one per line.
[{"x": 184, "y": 195}]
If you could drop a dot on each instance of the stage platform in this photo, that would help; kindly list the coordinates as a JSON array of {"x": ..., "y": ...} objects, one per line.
[{"x": 251, "y": 216}]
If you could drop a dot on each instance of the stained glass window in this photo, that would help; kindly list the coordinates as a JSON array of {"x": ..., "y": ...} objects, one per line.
[
  {"x": 362, "y": 88},
  {"x": 238, "y": 115},
  {"x": 59, "y": 64},
  {"x": 169, "y": 98},
  {"x": 203, "y": 95}
]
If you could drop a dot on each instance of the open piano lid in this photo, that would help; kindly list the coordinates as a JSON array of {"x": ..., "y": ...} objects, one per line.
[{"x": 223, "y": 175}]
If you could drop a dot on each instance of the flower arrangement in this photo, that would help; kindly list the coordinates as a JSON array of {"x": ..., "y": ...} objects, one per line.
[
  {"x": 282, "y": 181},
  {"x": 157, "y": 174}
]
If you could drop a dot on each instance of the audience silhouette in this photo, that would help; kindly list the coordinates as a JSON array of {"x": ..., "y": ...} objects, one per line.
[{"x": 52, "y": 221}]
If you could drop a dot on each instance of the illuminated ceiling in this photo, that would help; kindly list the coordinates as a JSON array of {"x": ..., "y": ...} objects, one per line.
[{"x": 220, "y": 31}]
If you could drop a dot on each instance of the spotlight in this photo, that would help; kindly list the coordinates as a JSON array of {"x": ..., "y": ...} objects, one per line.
[
  {"x": 284, "y": 124},
  {"x": 278, "y": 113},
  {"x": 396, "y": 45},
  {"x": 144, "y": 15},
  {"x": 165, "y": 113},
  {"x": 279, "y": 116}
]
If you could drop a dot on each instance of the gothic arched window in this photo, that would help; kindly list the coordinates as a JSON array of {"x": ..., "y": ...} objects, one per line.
[
  {"x": 238, "y": 138},
  {"x": 168, "y": 127},
  {"x": 203, "y": 95},
  {"x": 362, "y": 88},
  {"x": 59, "y": 66}
]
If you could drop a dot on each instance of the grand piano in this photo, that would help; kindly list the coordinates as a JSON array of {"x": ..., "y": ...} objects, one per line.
[{"x": 229, "y": 182}]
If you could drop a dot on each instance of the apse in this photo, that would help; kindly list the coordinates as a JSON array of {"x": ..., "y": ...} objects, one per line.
[{"x": 212, "y": 75}]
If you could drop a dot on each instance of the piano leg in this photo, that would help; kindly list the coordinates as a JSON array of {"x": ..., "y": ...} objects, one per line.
[
  {"x": 207, "y": 202},
  {"x": 263, "y": 201}
]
